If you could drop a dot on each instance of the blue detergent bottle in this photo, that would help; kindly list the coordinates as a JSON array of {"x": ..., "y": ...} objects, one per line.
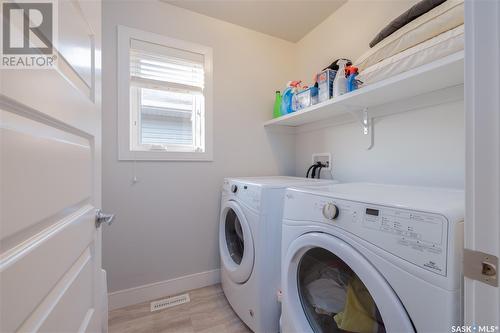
[{"x": 286, "y": 101}]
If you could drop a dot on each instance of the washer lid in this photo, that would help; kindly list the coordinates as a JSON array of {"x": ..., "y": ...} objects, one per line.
[
  {"x": 329, "y": 285},
  {"x": 235, "y": 243}
]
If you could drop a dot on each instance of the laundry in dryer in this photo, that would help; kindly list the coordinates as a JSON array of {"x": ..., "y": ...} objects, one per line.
[
  {"x": 326, "y": 296},
  {"x": 360, "y": 313},
  {"x": 326, "y": 288}
]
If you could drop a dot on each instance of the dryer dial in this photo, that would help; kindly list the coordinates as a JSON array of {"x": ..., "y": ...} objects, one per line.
[
  {"x": 330, "y": 211},
  {"x": 234, "y": 188}
]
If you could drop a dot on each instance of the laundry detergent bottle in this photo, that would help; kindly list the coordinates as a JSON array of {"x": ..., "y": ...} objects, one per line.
[
  {"x": 277, "y": 105},
  {"x": 286, "y": 101}
]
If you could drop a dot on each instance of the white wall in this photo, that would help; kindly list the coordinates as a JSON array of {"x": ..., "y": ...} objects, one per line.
[
  {"x": 424, "y": 147},
  {"x": 167, "y": 223}
]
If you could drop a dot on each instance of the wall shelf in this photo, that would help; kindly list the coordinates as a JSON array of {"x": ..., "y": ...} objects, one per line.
[{"x": 415, "y": 86}]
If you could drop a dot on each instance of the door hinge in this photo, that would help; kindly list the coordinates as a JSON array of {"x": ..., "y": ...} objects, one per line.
[{"x": 481, "y": 266}]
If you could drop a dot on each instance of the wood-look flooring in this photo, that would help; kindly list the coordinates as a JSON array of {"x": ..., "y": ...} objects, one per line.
[{"x": 207, "y": 312}]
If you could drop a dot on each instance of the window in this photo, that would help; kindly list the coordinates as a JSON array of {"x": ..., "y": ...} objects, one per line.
[{"x": 164, "y": 98}]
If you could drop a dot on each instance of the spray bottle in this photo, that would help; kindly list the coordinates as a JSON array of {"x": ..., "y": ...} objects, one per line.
[
  {"x": 287, "y": 97},
  {"x": 340, "y": 82},
  {"x": 351, "y": 73}
]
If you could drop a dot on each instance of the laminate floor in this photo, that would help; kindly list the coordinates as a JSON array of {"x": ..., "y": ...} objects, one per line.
[{"x": 207, "y": 312}]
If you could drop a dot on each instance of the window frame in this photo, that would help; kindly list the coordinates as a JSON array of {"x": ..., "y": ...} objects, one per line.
[{"x": 125, "y": 128}]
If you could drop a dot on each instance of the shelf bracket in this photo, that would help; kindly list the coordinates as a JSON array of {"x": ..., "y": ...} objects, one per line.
[
  {"x": 367, "y": 123},
  {"x": 363, "y": 116}
]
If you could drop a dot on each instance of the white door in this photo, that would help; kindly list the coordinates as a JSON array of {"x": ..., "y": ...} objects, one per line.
[
  {"x": 482, "y": 222},
  {"x": 235, "y": 243},
  {"x": 50, "y": 264},
  {"x": 331, "y": 287}
]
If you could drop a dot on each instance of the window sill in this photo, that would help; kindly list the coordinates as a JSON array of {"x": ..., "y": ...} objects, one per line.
[{"x": 164, "y": 156}]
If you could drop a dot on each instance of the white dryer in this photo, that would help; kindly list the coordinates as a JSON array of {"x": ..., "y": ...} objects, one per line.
[
  {"x": 372, "y": 258},
  {"x": 250, "y": 246}
]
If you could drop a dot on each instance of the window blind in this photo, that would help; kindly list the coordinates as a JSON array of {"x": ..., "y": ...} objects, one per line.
[
  {"x": 167, "y": 67},
  {"x": 168, "y": 83}
]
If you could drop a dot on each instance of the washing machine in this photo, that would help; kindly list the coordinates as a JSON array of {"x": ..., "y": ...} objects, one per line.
[
  {"x": 372, "y": 258},
  {"x": 250, "y": 246}
]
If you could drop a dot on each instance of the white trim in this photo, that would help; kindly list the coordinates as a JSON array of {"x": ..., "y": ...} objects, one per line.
[
  {"x": 123, "y": 95},
  {"x": 147, "y": 292},
  {"x": 482, "y": 153}
]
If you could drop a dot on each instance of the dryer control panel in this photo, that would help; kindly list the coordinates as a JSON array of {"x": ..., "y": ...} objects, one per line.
[
  {"x": 417, "y": 237},
  {"x": 421, "y": 237},
  {"x": 247, "y": 194}
]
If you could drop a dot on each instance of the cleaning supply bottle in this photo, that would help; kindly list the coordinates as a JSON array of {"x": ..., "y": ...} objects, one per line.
[
  {"x": 352, "y": 82},
  {"x": 277, "y": 105},
  {"x": 340, "y": 81},
  {"x": 292, "y": 88},
  {"x": 286, "y": 101}
]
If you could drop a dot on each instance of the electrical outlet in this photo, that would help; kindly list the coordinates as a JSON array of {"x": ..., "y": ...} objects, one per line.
[{"x": 325, "y": 158}]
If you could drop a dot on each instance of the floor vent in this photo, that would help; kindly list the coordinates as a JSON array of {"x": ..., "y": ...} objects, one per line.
[{"x": 169, "y": 302}]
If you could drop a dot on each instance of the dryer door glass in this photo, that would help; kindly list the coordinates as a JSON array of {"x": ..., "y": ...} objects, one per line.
[
  {"x": 234, "y": 237},
  {"x": 333, "y": 297}
]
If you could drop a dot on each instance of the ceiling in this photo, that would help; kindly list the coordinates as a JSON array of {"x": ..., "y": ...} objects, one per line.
[{"x": 287, "y": 19}]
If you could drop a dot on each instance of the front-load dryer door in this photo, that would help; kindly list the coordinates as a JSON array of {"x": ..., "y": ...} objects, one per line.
[
  {"x": 330, "y": 287},
  {"x": 235, "y": 243}
]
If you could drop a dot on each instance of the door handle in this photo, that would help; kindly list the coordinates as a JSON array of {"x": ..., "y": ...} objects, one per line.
[{"x": 100, "y": 217}]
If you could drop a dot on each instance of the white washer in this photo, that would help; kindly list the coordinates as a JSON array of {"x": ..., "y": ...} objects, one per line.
[
  {"x": 396, "y": 250},
  {"x": 250, "y": 246}
]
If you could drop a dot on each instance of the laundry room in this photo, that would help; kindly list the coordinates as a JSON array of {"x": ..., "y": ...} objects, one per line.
[{"x": 250, "y": 166}]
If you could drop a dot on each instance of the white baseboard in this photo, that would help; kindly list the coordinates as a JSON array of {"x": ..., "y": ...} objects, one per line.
[{"x": 147, "y": 292}]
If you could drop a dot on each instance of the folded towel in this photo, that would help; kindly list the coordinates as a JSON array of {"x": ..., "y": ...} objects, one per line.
[
  {"x": 448, "y": 15},
  {"x": 416, "y": 11}
]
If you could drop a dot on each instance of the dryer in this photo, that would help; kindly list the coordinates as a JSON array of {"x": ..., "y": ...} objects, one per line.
[
  {"x": 250, "y": 246},
  {"x": 372, "y": 258}
]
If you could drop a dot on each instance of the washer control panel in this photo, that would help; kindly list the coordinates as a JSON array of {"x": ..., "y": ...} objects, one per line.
[{"x": 417, "y": 237}]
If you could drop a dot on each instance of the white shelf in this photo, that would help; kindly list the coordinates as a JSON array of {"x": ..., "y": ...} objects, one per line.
[{"x": 443, "y": 73}]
